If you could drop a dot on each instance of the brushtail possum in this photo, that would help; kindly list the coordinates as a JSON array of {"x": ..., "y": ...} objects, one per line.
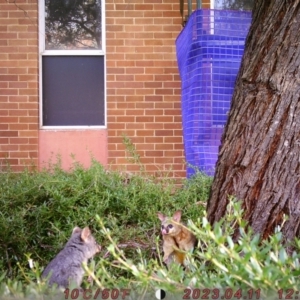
[
  {"x": 177, "y": 239},
  {"x": 66, "y": 267}
]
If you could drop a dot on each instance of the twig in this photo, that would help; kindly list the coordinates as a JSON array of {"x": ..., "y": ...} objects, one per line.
[{"x": 128, "y": 245}]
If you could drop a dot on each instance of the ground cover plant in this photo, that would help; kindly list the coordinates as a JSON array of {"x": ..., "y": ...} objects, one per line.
[{"x": 40, "y": 209}]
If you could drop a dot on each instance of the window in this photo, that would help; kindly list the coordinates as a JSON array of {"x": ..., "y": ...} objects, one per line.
[
  {"x": 72, "y": 63},
  {"x": 233, "y": 4}
]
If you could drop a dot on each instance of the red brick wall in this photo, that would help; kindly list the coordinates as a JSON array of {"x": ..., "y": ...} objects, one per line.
[
  {"x": 143, "y": 84},
  {"x": 18, "y": 84}
]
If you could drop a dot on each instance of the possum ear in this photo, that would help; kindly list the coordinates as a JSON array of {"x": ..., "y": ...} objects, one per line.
[
  {"x": 177, "y": 216},
  {"x": 161, "y": 216},
  {"x": 76, "y": 230},
  {"x": 85, "y": 233}
]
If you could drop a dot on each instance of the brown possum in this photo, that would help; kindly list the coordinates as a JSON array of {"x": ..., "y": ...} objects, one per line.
[{"x": 177, "y": 239}]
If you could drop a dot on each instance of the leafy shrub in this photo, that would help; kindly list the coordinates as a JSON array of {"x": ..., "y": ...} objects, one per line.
[{"x": 40, "y": 209}]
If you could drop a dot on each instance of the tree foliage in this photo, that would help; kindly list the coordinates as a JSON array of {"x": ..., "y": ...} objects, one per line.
[
  {"x": 234, "y": 4},
  {"x": 73, "y": 24}
]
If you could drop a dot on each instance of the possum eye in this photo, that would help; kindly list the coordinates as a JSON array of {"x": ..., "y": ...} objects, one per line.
[
  {"x": 170, "y": 226},
  {"x": 162, "y": 227}
]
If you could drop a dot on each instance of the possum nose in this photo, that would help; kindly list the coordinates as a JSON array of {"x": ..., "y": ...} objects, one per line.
[
  {"x": 98, "y": 248},
  {"x": 164, "y": 231}
]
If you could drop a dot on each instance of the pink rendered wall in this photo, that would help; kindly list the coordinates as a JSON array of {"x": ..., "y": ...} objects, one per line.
[{"x": 81, "y": 144}]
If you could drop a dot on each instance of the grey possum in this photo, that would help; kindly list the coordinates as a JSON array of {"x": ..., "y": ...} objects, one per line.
[{"x": 66, "y": 266}]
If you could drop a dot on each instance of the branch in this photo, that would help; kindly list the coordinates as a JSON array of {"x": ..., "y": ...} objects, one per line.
[
  {"x": 23, "y": 10},
  {"x": 18, "y": 7}
]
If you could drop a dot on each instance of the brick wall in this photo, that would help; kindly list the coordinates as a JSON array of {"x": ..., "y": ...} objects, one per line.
[
  {"x": 18, "y": 84},
  {"x": 143, "y": 84}
]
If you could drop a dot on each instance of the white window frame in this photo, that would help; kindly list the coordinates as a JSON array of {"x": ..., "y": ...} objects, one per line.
[{"x": 44, "y": 52}]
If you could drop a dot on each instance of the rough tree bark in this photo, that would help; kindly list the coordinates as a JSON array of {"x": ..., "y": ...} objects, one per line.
[{"x": 259, "y": 159}]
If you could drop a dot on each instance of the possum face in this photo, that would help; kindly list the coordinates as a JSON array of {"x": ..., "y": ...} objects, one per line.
[
  {"x": 170, "y": 226},
  {"x": 91, "y": 246},
  {"x": 85, "y": 241},
  {"x": 167, "y": 228}
]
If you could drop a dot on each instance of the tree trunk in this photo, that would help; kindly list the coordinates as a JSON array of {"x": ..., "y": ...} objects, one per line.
[{"x": 259, "y": 159}]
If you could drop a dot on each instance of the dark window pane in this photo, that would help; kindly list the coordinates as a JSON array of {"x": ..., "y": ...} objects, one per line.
[
  {"x": 72, "y": 24},
  {"x": 73, "y": 91}
]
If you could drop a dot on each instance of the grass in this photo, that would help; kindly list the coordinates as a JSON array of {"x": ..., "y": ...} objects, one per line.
[{"x": 40, "y": 209}]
